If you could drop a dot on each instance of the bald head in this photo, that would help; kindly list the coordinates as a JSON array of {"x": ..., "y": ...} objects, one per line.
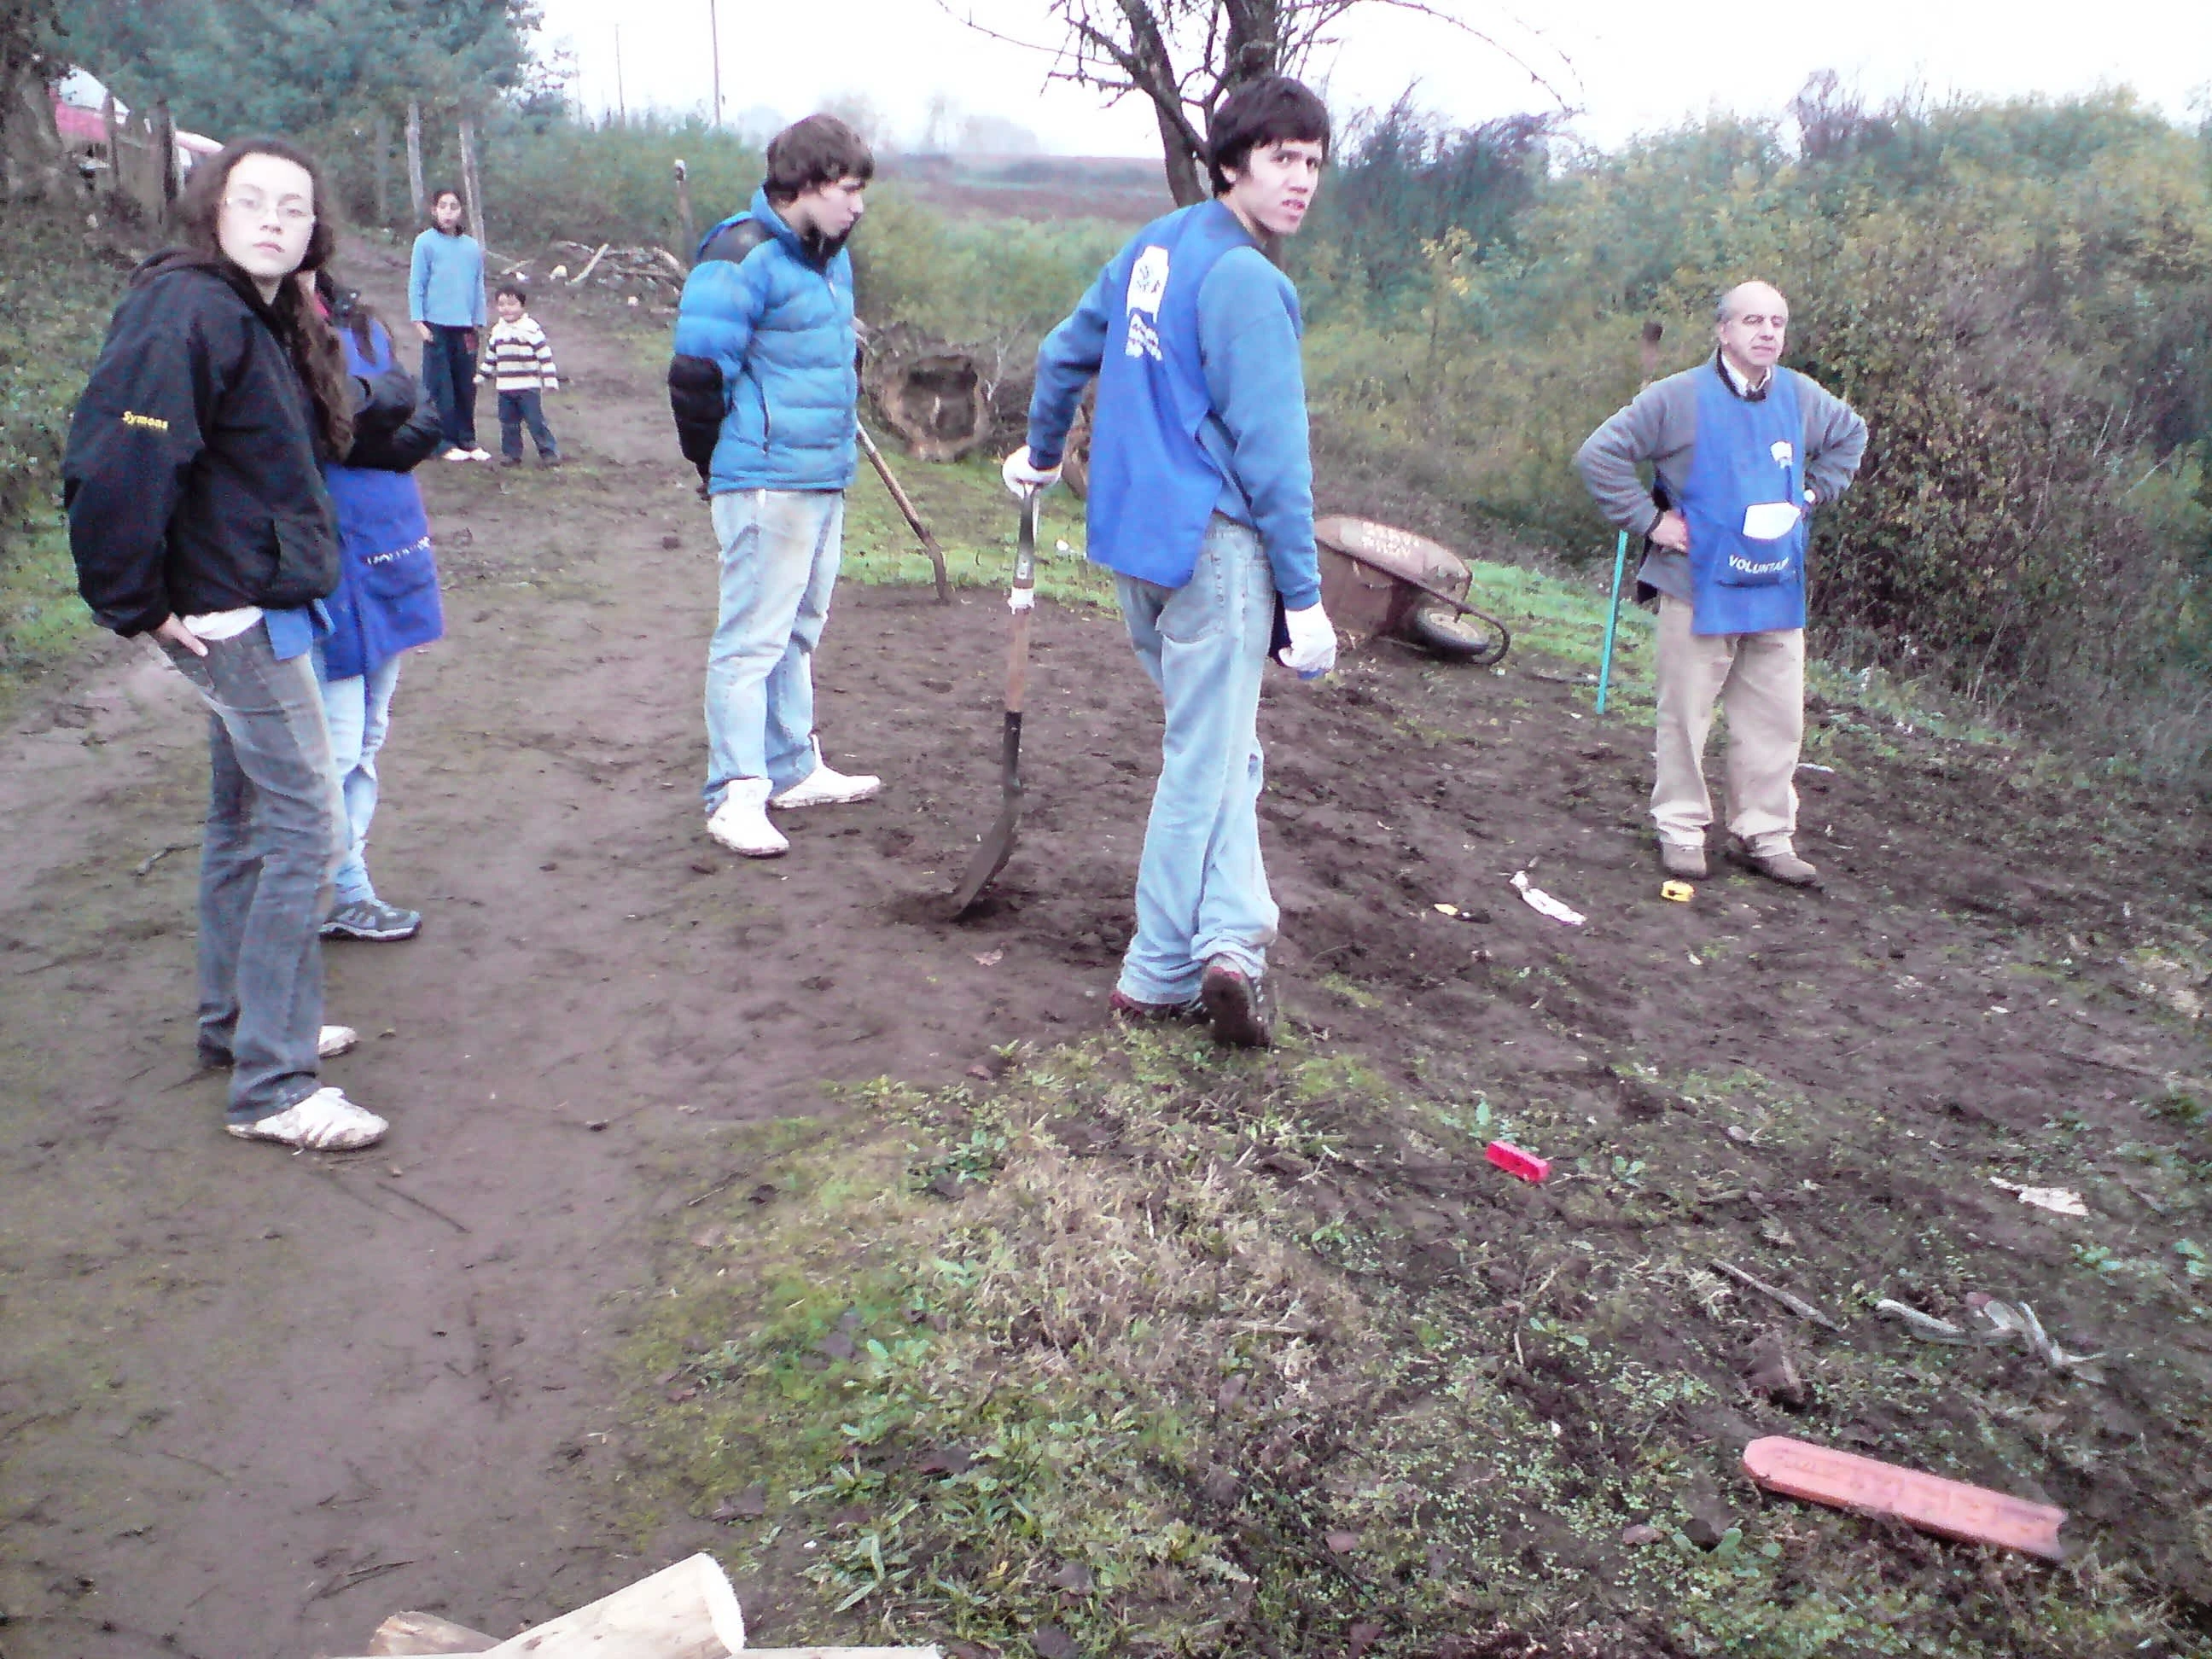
[{"x": 1752, "y": 321}]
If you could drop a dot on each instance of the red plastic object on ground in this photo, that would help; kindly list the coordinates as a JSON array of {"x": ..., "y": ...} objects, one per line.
[
  {"x": 1927, "y": 1501},
  {"x": 1515, "y": 1162}
]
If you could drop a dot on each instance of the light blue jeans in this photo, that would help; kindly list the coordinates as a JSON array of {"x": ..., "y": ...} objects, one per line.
[
  {"x": 271, "y": 842},
  {"x": 780, "y": 552},
  {"x": 358, "y": 711},
  {"x": 1201, "y": 888}
]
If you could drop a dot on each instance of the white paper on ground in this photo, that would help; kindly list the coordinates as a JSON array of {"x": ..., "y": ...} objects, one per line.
[
  {"x": 1770, "y": 522},
  {"x": 1544, "y": 904},
  {"x": 2061, "y": 1200}
]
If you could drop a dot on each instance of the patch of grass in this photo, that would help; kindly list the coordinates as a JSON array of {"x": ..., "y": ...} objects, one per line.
[
  {"x": 42, "y": 618},
  {"x": 55, "y": 293},
  {"x": 1168, "y": 1351}
]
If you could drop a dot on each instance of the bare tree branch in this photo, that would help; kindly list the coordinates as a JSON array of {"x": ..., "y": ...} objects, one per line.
[{"x": 1123, "y": 46}]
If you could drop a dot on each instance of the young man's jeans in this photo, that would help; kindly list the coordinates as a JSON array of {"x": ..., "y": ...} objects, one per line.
[
  {"x": 517, "y": 410},
  {"x": 449, "y": 377},
  {"x": 358, "y": 712},
  {"x": 780, "y": 551},
  {"x": 1201, "y": 888},
  {"x": 271, "y": 844}
]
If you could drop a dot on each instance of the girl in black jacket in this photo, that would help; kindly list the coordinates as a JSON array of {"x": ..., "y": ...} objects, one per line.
[{"x": 197, "y": 514}]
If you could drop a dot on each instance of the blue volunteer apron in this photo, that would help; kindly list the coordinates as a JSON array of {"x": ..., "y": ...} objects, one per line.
[
  {"x": 1152, "y": 486},
  {"x": 1749, "y": 469}
]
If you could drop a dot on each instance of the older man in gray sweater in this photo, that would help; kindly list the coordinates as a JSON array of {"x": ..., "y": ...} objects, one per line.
[{"x": 1743, "y": 449}]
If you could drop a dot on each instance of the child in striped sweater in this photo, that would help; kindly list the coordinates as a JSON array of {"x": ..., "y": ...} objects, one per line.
[{"x": 518, "y": 361}]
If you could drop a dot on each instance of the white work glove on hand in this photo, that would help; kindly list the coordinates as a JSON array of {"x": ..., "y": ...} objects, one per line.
[
  {"x": 1022, "y": 480},
  {"x": 1312, "y": 650}
]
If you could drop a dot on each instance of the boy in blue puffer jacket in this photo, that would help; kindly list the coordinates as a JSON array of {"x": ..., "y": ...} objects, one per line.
[{"x": 763, "y": 387}]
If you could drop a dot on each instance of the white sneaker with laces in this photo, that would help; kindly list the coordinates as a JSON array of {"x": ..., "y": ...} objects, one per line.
[
  {"x": 824, "y": 787},
  {"x": 326, "y": 1121},
  {"x": 741, "y": 824},
  {"x": 335, "y": 1040}
]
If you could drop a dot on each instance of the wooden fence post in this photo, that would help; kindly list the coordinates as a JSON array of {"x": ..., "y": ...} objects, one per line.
[
  {"x": 114, "y": 149},
  {"x": 165, "y": 159},
  {"x": 420, "y": 208},
  {"x": 684, "y": 213}
]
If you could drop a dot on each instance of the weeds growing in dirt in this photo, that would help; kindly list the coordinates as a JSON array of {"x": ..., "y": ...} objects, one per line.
[{"x": 1137, "y": 1349}]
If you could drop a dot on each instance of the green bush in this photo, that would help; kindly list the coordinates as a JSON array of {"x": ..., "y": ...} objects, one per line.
[{"x": 2017, "y": 296}]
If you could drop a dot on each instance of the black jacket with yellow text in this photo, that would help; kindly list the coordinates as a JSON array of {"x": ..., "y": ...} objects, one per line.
[{"x": 190, "y": 478}]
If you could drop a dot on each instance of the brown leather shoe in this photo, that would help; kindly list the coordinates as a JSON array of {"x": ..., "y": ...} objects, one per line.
[
  {"x": 1784, "y": 866},
  {"x": 1681, "y": 860}
]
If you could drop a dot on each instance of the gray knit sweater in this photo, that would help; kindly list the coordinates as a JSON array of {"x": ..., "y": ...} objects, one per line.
[{"x": 1661, "y": 426}]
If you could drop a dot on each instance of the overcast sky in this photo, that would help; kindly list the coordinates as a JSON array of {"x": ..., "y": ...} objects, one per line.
[{"x": 1628, "y": 67}]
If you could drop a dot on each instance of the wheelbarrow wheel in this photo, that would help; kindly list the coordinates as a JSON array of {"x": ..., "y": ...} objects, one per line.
[{"x": 1457, "y": 636}]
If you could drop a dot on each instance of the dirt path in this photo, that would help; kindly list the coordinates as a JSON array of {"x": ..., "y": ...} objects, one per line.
[{"x": 251, "y": 1402}]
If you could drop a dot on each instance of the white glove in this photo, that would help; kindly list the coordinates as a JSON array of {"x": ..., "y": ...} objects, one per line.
[
  {"x": 1312, "y": 650},
  {"x": 1022, "y": 480}
]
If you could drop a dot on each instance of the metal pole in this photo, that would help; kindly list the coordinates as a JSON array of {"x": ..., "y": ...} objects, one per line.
[
  {"x": 714, "y": 39},
  {"x": 1611, "y": 620}
]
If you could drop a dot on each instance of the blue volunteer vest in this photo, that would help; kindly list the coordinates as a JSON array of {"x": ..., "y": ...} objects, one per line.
[
  {"x": 1749, "y": 455},
  {"x": 387, "y": 599},
  {"x": 1152, "y": 486}
]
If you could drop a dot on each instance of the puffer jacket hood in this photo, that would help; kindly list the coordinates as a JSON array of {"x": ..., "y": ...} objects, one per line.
[{"x": 764, "y": 384}]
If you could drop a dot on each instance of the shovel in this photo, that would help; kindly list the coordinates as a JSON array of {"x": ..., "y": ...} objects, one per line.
[
  {"x": 906, "y": 507},
  {"x": 998, "y": 846}
]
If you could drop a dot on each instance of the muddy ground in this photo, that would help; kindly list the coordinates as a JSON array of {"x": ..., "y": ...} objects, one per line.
[{"x": 250, "y": 1402}]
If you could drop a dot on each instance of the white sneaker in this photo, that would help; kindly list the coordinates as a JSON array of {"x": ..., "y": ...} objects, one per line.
[
  {"x": 335, "y": 1040},
  {"x": 326, "y": 1121},
  {"x": 479, "y": 455},
  {"x": 825, "y": 787},
  {"x": 457, "y": 453},
  {"x": 741, "y": 824}
]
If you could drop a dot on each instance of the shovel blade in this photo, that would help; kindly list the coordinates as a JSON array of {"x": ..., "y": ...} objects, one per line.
[
  {"x": 999, "y": 846},
  {"x": 990, "y": 858}
]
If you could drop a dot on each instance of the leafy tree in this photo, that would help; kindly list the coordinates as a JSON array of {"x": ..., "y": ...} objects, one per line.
[{"x": 298, "y": 66}]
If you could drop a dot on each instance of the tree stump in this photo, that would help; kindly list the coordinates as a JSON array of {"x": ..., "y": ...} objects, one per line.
[{"x": 936, "y": 403}]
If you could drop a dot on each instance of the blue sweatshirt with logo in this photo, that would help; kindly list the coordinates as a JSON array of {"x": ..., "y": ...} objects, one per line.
[{"x": 1250, "y": 330}]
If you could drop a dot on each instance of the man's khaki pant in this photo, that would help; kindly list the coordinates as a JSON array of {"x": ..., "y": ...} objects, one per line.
[{"x": 1760, "y": 679}]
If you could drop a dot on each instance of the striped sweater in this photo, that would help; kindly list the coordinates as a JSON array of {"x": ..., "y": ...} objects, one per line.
[{"x": 518, "y": 357}]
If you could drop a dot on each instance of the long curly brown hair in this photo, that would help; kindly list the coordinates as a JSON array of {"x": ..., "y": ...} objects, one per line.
[{"x": 317, "y": 354}]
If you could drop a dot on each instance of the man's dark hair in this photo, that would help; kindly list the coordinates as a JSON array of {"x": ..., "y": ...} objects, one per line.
[
  {"x": 819, "y": 150},
  {"x": 1259, "y": 112},
  {"x": 515, "y": 290}
]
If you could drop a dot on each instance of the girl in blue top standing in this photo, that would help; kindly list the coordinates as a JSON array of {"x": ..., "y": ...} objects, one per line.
[
  {"x": 385, "y": 604},
  {"x": 446, "y": 300}
]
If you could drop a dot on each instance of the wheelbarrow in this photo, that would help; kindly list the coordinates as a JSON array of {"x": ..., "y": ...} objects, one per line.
[{"x": 1377, "y": 579}]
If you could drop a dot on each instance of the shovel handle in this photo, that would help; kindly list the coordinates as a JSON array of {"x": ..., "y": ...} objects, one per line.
[
  {"x": 906, "y": 507},
  {"x": 1018, "y": 635}
]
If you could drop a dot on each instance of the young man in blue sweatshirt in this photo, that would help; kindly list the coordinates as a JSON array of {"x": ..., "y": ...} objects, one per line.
[
  {"x": 1200, "y": 501},
  {"x": 762, "y": 386}
]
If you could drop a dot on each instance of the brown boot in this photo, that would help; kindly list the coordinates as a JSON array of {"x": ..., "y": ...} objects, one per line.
[
  {"x": 1784, "y": 866},
  {"x": 1682, "y": 859}
]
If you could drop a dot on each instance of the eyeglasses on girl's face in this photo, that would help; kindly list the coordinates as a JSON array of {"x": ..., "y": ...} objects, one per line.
[{"x": 256, "y": 207}]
